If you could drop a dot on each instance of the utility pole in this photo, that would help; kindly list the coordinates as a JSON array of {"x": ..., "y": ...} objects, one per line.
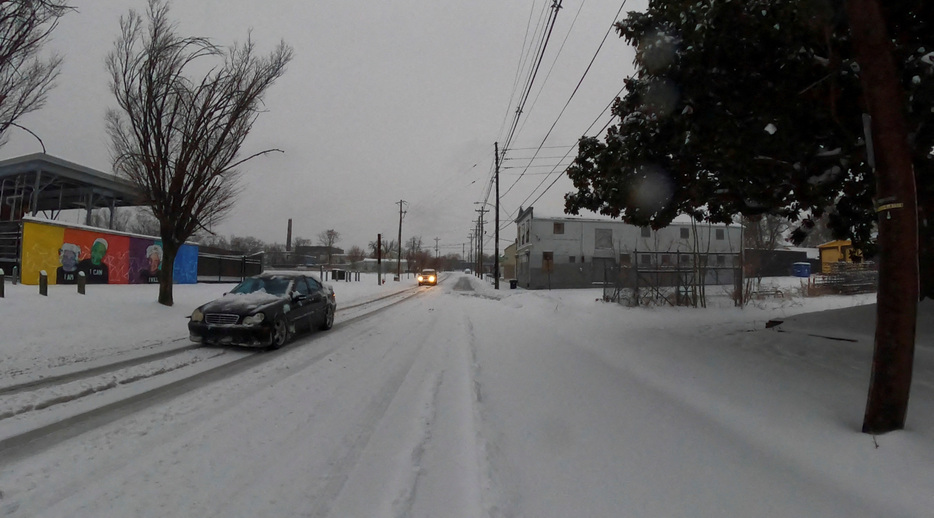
[
  {"x": 379, "y": 259},
  {"x": 476, "y": 250},
  {"x": 399, "y": 258},
  {"x": 481, "y": 210},
  {"x": 496, "y": 239},
  {"x": 437, "y": 254},
  {"x": 471, "y": 249},
  {"x": 896, "y": 205}
]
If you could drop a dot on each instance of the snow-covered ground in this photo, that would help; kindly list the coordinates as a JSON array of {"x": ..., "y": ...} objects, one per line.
[{"x": 465, "y": 401}]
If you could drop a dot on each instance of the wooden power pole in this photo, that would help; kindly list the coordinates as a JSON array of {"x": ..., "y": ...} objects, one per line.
[
  {"x": 496, "y": 238},
  {"x": 897, "y": 300},
  {"x": 399, "y": 243}
]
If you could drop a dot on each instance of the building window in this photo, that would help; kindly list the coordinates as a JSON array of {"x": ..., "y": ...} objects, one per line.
[
  {"x": 645, "y": 260},
  {"x": 603, "y": 238},
  {"x": 572, "y": 259},
  {"x": 646, "y": 232},
  {"x": 720, "y": 234},
  {"x": 685, "y": 233},
  {"x": 625, "y": 259},
  {"x": 548, "y": 261},
  {"x": 685, "y": 259},
  {"x": 666, "y": 260},
  {"x": 559, "y": 228},
  {"x": 721, "y": 260}
]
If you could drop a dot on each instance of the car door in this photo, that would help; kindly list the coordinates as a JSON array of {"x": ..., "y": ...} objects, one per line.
[
  {"x": 302, "y": 305},
  {"x": 318, "y": 299}
]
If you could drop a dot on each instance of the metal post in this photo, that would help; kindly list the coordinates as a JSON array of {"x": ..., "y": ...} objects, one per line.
[
  {"x": 43, "y": 284},
  {"x": 82, "y": 281},
  {"x": 2, "y": 282}
]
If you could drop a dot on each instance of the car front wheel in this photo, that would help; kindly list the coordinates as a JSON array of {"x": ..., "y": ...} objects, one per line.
[{"x": 280, "y": 333}]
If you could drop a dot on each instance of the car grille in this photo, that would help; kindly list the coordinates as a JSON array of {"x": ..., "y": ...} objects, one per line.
[{"x": 221, "y": 318}]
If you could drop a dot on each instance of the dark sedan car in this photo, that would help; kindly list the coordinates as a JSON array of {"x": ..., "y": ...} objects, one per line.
[{"x": 265, "y": 311}]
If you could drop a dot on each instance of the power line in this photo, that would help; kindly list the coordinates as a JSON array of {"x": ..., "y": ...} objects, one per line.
[
  {"x": 532, "y": 148},
  {"x": 587, "y": 131},
  {"x": 522, "y": 57},
  {"x": 536, "y": 158},
  {"x": 555, "y": 61},
  {"x": 576, "y": 88},
  {"x": 546, "y": 37}
]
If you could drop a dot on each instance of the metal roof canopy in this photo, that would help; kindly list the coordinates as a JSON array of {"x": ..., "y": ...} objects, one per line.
[{"x": 43, "y": 183}]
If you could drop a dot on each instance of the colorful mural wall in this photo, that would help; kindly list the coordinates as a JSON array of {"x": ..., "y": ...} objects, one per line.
[{"x": 105, "y": 258}]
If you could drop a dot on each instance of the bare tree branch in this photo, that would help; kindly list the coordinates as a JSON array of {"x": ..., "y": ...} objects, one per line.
[
  {"x": 179, "y": 138},
  {"x": 25, "y": 78}
]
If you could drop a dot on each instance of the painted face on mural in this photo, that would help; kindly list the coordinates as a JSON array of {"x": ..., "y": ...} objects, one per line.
[
  {"x": 154, "y": 256},
  {"x": 154, "y": 261},
  {"x": 97, "y": 252},
  {"x": 69, "y": 261}
]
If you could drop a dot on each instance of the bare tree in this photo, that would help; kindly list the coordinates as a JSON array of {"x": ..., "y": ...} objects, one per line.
[
  {"x": 355, "y": 255},
  {"x": 329, "y": 238},
  {"x": 25, "y": 79},
  {"x": 246, "y": 244},
  {"x": 817, "y": 231},
  {"x": 138, "y": 220},
  {"x": 178, "y": 139},
  {"x": 765, "y": 232},
  {"x": 144, "y": 223}
]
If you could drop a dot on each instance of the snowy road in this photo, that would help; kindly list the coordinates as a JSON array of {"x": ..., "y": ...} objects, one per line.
[{"x": 435, "y": 407}]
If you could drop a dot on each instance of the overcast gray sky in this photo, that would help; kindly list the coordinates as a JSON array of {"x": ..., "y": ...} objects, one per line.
[{"x": 383, "y": 101}]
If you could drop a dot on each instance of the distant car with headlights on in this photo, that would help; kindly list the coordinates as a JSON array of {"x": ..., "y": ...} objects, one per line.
[
  {"x": 265, "y": 311},
  {"x": 427, "y": 276}
]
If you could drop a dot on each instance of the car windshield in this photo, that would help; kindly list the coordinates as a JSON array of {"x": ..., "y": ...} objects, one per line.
[{"x": 271, "y": 285}]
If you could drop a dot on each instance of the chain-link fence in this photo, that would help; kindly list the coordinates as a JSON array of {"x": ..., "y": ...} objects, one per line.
[{"x": 672, "y": 279}]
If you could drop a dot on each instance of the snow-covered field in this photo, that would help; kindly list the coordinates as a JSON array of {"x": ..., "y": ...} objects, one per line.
[{"x": 465, "y": 401}]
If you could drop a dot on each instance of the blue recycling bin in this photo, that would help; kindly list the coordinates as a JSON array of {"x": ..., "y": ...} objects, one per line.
[{"x": 801, "y": 269}]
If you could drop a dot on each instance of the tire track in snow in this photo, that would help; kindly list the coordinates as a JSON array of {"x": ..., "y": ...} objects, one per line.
[
  {"x": 402, "y": 506},
  {"x": 346, "y": 460},
  {"x": 94, "y": 371},
  {"x": 499, "y": 498},
  {"x": 33, "y": 440}
]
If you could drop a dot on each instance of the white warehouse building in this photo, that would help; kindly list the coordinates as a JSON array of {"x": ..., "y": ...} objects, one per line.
[{"x": 566, "y": 252}]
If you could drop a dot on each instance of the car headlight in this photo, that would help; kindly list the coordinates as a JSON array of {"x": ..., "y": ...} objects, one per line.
[
  {"x": 420, "y": 278},
  {"x": 197, "y": 315},
  {"x": 252, "y": 320},
  {"x": 431, "y": 279}
]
